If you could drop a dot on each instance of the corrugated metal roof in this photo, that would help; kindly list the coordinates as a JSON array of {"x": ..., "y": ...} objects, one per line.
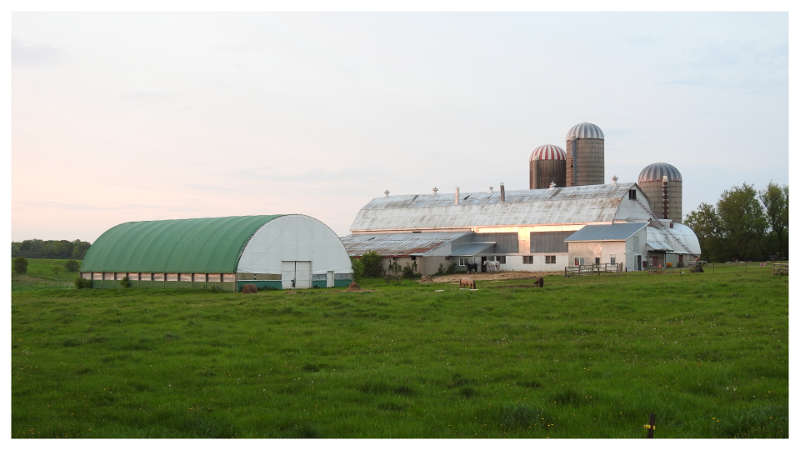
[
  {"x": 585, "y": 130},
  {"x": 678, "y": 239},
  {"x": 656, "y": 172},
  {"x": 566, "y": 205},
  {"x": 397, "y": 244},
  {"x": 613, "y": 232},
  {"x": 211, "y": 245},
  {"x": 472, "y": 249}
]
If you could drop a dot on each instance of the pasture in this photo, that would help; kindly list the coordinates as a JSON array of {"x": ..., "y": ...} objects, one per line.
[{"x": 581, "y": 357}]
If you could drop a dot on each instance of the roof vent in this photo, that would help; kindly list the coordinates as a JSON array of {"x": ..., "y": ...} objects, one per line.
[
  {"x": 458, "y": 192},
  {"x": 386, "y": 192},
  {"x": 435, "y": 190},
  {"x": 491, "y": 189},
  {"x": 502, "y": 192},
  {"x": 614, "y": 179},
  {"x": 552, "y": 185}
]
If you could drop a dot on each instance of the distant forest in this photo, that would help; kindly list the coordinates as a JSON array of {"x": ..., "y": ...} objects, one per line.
[{"x": 37, "y": 248}]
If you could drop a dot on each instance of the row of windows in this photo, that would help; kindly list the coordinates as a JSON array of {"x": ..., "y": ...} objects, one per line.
[
  {"x": 612, "y": 259},
  {"x": 156, "y": 276},
  {"x": 548, "y": 259}
]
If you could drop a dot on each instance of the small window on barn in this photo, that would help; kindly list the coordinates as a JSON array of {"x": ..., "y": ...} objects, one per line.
[
  {"x": 632, "y": 194},
  {"x": 612, "y": 259},
  {"x": 550, "y": 259},
  {"x": 501, "y": 259},
  {"x": 597, "y": 260},
  {"x": 527, "y": 260}
]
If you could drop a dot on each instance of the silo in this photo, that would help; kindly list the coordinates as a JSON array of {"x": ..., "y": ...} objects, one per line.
[
  {"x": 548, "y": 164},
  {"x": 585, "y": 160},
  {"x": 663, "y": 185}
]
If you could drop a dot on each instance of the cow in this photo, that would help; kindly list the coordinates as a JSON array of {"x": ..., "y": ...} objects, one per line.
[{"x": 467, "y": 283}]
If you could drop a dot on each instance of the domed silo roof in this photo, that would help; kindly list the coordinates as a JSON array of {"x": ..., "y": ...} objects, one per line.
[
  {"x": 548, "y": 152},
  {"x": 585, "y": 130},
  {"x": 656, "y": 172}
]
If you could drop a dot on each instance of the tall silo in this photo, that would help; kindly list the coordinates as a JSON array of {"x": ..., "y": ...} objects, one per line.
[
  {"x": 585, "y": 160},
  {"x": 548, "y": 164},
  {"x": 663, "y": 185}
]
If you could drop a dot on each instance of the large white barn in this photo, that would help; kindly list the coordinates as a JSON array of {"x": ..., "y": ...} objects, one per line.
[{"x": 522, "y": 230}]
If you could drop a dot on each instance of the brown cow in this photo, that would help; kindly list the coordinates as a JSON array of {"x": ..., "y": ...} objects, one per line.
[
  {"x": 467, "y": 283},
  {"x": 249, "y": 289}
]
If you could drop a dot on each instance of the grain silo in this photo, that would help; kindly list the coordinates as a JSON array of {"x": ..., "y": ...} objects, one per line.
[
  {"x": 663, "y": 186},
  {"x": 548, "y": 164},
  {"x": 282, "y": 251},
  {"x": 585, "y": 160}
]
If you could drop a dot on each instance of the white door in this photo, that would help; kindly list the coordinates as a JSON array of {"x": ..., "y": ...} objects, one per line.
[
  {"x": 287, "y": 274},
  {"x": 331, "y": 279},
  {"x": 303, "y": 274}
]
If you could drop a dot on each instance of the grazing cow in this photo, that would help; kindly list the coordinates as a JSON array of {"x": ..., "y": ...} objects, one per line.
[
  {"x": 249, "y": 289},
  {"x": 540, "y": 282},
  {"x": 467, "y": 283}
]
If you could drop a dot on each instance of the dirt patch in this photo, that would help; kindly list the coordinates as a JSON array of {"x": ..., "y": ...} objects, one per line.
[{"x": 486, "y": 276}]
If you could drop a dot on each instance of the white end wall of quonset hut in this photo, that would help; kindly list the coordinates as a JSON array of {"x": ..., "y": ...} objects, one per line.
[{"x": 291, "y": 247}]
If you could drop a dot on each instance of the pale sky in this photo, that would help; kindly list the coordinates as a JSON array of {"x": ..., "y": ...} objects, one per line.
[{"x": 124, "y": 117}]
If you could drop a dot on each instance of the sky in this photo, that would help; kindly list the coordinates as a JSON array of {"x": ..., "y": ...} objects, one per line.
[{"x": 128, "y": 117}]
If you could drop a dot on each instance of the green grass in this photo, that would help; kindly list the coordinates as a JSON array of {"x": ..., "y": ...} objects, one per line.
[
  {"x": 589, "y": 357},
  {"x": 43, "y": 273}
]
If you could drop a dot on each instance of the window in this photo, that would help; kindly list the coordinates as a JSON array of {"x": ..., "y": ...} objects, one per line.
[
  {"x": 612, "y": 259},
  {"x": 501, "y": 259},
  {"x": 550, "y": 259},
  {"x": 578, "y": 261},
  {"x": 527, "y": 260},
  {"x": 463, "y": 260},
  {"x": 632, "y": 194},
  {"x": 597, "y": 260}
]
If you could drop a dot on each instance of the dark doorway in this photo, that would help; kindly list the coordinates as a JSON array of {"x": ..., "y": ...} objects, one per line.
[{"x": 483, "y": 266}]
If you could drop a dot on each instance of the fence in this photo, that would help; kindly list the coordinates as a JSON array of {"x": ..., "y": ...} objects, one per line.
[{"x": 591, "y": 269}]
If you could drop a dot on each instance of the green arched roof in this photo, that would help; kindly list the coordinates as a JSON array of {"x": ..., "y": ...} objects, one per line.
[{"x": 210, "y": 245}]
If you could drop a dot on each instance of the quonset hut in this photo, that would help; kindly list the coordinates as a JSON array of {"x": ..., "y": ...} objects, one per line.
[{"x": 290, "y": 251}]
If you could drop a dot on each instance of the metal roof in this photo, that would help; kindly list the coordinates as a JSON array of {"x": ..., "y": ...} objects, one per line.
[
  {"x": 656, "y": 172},
  {"x": 565, "y": 205},
  {"x": 472, "y": 249},
  {"x": 678, "y": 239},
  {"x": 397, "y": 244},
  {"x": 585, "y": 130},
  {"x": 613, "y": 232},
  {"x": 548, "y": 152},
  {"x": 211, "y": 245}
]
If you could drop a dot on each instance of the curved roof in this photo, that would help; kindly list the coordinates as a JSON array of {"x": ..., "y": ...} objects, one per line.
[
  {"x": 564, "y": 205},
  {"x": 585, "y": 130},
  {"x": 211, "y": 245},
  {"x": 656, "y": 171},
  {"x": 548, "y": 152}
]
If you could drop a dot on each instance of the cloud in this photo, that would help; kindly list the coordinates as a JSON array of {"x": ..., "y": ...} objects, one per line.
[{"x": 34, "y": 55}]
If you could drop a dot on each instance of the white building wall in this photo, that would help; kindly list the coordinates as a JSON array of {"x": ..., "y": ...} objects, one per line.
[
  {"x": 636, "y": 245},
  {"x": 602, "y": 249},
  {"x": 294, "y": 237}
]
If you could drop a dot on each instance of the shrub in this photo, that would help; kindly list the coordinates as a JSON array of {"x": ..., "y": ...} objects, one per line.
[
  {"x": 72, "y": 265},
  {"x": 669, "y": 264},
  {"x": 410, "y": 271},
  {"x": 80, "y": 283},
  {"x": 358, "y": 268},
  {"x": 20, "y": 265},
  {"x": 125, "y": 282},
  {"x": 373, "y": 264}
]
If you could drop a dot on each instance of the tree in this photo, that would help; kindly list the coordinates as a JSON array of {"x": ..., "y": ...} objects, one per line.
[
  {"x": 20, "y": 265},
  {"x": 743, "y": 223},
  {"x": 372, "y": 263},
  {"x": 706, "y": 225},
  {"x": 776, "y": 203}
]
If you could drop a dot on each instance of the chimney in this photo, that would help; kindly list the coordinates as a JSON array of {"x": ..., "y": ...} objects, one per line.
[
  {"x": 614, "y": 179},
  {"x": 435, "y": 190},
  {"x": 458, "y": 193},
  {"x": 502, "y": 193}
]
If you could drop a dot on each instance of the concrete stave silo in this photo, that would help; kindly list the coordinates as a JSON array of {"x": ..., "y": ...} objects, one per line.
[
  {"x": 547, "y": 164},
  {"x": 664, "y": 194},
  {"x": 585, "y": 155}
]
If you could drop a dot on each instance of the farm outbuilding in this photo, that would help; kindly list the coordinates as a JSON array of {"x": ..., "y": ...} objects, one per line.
[{"x": 282, "y": 251}]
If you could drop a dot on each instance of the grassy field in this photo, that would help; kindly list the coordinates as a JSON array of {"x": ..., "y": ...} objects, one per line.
[
  {"x": 590, "y": 357},
  {"x": 43, "y": 273}
]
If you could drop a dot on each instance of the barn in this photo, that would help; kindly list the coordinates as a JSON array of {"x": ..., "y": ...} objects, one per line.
[{"x": 281, "y": 251}]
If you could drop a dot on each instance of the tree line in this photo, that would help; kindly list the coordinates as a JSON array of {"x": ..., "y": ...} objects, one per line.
[
  {"x": 37, "y": 248},
  {"x": 744, "y": 225}
]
